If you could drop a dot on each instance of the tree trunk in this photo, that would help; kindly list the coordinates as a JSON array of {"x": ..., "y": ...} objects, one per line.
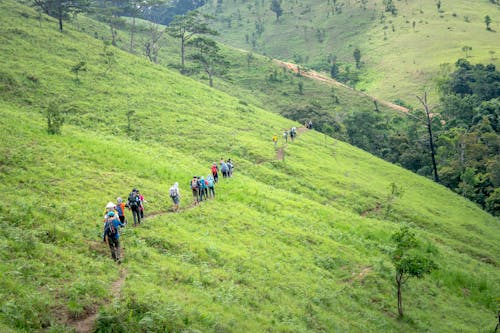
[
  {"x": 59, "y": 16},
  {"x": 399, "y": 277},
  {"x": 182, "y": 51},
  {"x": 132, "y": 30},
  {"x": 429, "y": 129}
]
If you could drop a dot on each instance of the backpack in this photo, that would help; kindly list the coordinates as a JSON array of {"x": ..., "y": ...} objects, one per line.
[
  {"x": 111, "y": 230},
  {"x": 173, "y": 192},
  {"x": 214, "y": 169},
  {"x": 194, "y": 184},
  {"x": 133, "y": 200},
  {"x": 210, "y": 182}
]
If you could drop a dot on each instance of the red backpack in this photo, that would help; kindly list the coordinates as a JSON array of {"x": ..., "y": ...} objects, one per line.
[{"x": 214, "y": 169}]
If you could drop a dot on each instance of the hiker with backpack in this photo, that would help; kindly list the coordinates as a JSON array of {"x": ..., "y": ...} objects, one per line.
[
  {"x": 112, "y": 236},
  {"x": 275, "y": 140},
  {"x": 202, "y": 188},
  {"x": 194, "y": 188},
  {"x": 120, "y": 209},
  {"x": 142, "y": 201},
  {"x": 230, "y": 167},
  {"x": 211, "y": 186},
  {"x": 176, "y": 196},
  {"x": 285, "y": 136},
  {"x": 293, "y": 133},
  {"x": 134, "y": 203},
  {"x": 224, "y": 169},
  {"x": 215, "y": 172}
]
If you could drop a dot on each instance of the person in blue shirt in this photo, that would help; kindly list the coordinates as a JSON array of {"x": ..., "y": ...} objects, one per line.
[{"x": 112, "y": 236}]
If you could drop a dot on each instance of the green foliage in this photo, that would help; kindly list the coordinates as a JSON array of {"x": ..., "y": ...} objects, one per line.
[
  {"x": 283, "y": 247},
  {"x": 55, "y": 118},
  {"x": 407, "y": 261},
  {"x": 77, "y": 68}
]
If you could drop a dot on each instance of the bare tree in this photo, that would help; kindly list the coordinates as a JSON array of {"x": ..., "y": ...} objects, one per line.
[{"x": 429, "y": 115}]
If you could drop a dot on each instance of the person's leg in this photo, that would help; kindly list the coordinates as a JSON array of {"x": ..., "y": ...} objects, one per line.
[
  {"x": 134, "y": 216},
  {"x": 111, "y": 244}
]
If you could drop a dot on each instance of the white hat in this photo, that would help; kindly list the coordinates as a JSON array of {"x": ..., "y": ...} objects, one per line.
[{"x": 110, "y": 205}]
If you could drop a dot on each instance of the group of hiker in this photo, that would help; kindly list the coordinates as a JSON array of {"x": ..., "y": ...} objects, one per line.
[
  {"x": 114, "y": 215},
  {"x": 292, "y": 133},
  {"x": 204, "y": 188},
  {"x": 114, "y": 218}
]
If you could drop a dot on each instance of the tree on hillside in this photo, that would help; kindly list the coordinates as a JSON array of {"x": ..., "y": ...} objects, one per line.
[
  {"x": 487, "y": 21},
  {"x": 186, "y": 26},
  {"x": 390, "y": 7},
  {"x": 111, "y": 14},
  {"x": 276, "y": 8},
  {"x": 429, "y": 115},
  {"x": 62, "y": 9},
  {"x": 409, "y": 262},
  {"x": 357, "y": 57},
  {"x": 155, "y": 30},
  {"x": 135, "y": 8},
  {"x": 207, "y": 55},
  {"x": 466, "y": 50}
]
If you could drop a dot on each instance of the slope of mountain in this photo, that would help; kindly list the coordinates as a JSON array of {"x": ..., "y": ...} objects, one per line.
[
  {"x": 294, "y": 245},
  {"x": 399, "y": 53}
]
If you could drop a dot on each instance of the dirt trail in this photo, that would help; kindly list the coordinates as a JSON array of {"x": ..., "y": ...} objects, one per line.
[
  {"x": 279, "y": 154},
  {"x": 85, "y": 325},
  {"x": 319, "y": 77}
]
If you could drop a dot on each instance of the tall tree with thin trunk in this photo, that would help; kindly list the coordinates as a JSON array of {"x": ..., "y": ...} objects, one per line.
[
  {"x": 62, "y": 9},
  {"x": 186, "y": 26},
  {"x": 208, "y": 57},
  {"x": 429, "y": 115},
  {"x": 276, "y": 8}
]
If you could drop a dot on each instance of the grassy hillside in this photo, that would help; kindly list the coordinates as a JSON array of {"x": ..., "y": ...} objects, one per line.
[
  {"x": 399, "y": 53},
  {"x": 288, "y": 246}
]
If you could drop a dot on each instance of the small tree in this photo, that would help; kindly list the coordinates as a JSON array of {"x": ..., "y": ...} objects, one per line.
[
  {"x": 79, "y": 67},
  {"x": 466, "y": 50},
  {"x": 301, "y": 87},
  {"x": 276, "y": 8},
  {"x": 408, "y": 261},
  {"x": 108, "y": 57},
  {"x": 487, "y": 21},
  {"x": 357, "y": 57},
  {"x": 55, "y": 118},
  {"x": 395, "y": 192}
]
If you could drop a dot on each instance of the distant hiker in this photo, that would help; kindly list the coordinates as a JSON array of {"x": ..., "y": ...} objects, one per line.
[
  {"x": 293, "y": 133},
  {"x": 120, "y": 209},
  {"x": 175, "y": 195},
  {"x": 202, "y": 188},
  {"x": 142, "y": 201},
  {"x": 224, "y": 169},
  {"x": 275, "y": 140},
  {"x": 230, "y": 167},
  {"x": 285, "y": 136},
  {"x": 215, "y": 173},
  {"x": 211, "y": 186},
  {"x": 134, "y": 203},
  {"x": 310, "y": 124},
  {"x": 112, "y": 236},
  {"x": 194, "y": 188}
]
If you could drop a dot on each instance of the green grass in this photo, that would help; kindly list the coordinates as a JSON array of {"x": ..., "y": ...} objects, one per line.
[
  {"x": 294, "y": 246},
  {"x": 398, "y": 61}
]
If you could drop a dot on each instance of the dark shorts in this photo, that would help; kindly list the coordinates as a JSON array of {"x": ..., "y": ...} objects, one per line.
[{"x": 175, "y": 199}]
